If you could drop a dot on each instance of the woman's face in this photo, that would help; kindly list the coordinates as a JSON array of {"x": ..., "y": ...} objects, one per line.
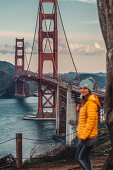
[{"x": 84, "y": 91}]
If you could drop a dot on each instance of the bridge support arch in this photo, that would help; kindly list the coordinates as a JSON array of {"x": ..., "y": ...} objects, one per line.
[
  {"x": 66, "y": 111},
  {"x": 70, "y": 115}
]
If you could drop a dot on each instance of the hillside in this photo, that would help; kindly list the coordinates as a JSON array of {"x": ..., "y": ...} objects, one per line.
[
  {"x": 99, "y": 78},
  {"x": 7, "y": 84},
  {"x": 7, "y": 68},
  {"x": 7, "y": 80}
]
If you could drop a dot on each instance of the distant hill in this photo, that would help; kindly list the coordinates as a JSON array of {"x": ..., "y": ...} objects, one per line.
[
  {"x": 101, "y": 74},
  {"x": 7, "y": 84},
  {"x": 9, "y": 92},
  {"x": 99, "y": 78},
  {"x": 67, "y": 77},
  {"x": 7, "y": 68},
  {"x": 73, "y": 74},
  {"x": 7, "y": 80}
]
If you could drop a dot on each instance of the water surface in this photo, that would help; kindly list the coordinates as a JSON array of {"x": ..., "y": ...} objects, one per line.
[{"x": 12, "y": 112}]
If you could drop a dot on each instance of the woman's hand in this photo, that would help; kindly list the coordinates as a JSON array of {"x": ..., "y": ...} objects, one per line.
[
  {"x": 72, "y": 122},
  {"x": 78, "y": 107}
]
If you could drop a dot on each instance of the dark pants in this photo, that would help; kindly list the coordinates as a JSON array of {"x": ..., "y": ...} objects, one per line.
[{"x": 82, "y": 155}]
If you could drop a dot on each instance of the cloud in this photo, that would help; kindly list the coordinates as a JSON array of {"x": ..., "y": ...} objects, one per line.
[
  {"x": 83, "y": 49},
  {"x": 85, "y": 1},
  {"x": 80, "y": 36},
  {"x": 85, "y": 57},
  {"x": 97, "y": 46},
  {"x": 10, "y": 49},
  {"x": 27, "y": 44},
  {"x": 7, "y": 49},
  {"x": 76, "y": 48},
  {"x": 11, "y": 34}
]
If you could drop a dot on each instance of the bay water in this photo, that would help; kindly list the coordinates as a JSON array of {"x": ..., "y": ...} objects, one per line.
[{"x": 12, "y": 112}]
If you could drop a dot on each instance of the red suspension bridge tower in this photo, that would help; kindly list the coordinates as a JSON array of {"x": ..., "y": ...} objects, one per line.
[
  {"x": 19, "y": 67},
  {"x": 44, "y": 56}
]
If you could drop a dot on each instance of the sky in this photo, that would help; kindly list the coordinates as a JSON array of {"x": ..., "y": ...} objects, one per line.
[{"x": 80, "y": 18}]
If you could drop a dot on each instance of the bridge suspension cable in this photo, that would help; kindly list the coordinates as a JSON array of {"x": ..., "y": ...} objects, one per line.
[
  {"x": 49, "y": 41},
  {"x": 26, "y": 58},
  {"x": 33, "y": 39},
  {"x": 67, "y": 42}
]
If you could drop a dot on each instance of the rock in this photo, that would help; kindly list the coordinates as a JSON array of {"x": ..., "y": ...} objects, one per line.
[{"x": 7, "y": 161}]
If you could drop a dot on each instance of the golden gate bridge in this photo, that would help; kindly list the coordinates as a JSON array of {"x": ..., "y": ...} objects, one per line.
[{"x": 59, "y": 92}]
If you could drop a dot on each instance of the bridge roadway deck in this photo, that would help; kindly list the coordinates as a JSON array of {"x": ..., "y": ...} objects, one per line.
[{"x": 52, "y": 83}]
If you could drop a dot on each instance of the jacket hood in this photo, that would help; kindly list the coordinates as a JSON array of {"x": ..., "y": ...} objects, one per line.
[{"x": 95, "y": 99}]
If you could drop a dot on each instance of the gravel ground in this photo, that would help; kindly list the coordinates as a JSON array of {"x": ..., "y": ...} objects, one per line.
[{"x": 97, "y": 162}]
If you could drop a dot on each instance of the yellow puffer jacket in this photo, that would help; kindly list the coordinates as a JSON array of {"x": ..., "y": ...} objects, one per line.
[{"x": 88, "y": 118}]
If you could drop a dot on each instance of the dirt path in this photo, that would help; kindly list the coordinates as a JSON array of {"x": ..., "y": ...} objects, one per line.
[{"x": 97, "y": 162}]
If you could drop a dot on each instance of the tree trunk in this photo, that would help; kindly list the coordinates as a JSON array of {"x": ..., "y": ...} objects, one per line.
[{"x": 105, "y": 11}]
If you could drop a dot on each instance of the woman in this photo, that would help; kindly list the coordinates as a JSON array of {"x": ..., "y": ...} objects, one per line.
[{"x": 87, "y": 123}]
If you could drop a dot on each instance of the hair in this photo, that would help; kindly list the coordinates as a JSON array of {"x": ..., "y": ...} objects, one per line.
[{"x": 85, "y": 98}]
